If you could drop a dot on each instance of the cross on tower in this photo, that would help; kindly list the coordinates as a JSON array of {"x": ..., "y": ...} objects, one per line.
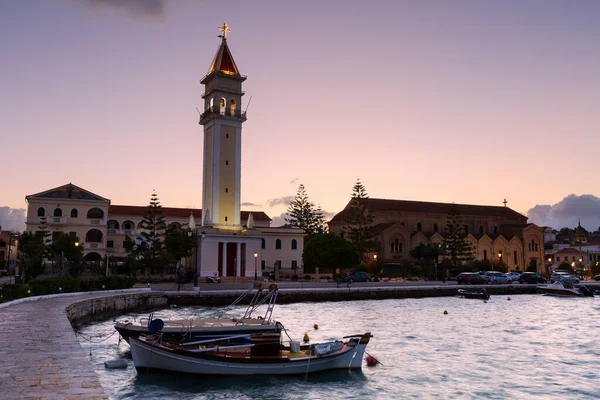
[
  {"x": 224, "y": 30},
  {"x": 505, "y": 202}
]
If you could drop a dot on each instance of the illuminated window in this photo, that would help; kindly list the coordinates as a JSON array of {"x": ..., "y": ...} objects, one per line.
[
  {"x": 211, "y": 104},
  {"x": 222, "y": 105},
  {"x": 232, "y": 106}
]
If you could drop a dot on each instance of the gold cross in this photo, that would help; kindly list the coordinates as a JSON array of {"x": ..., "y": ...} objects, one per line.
[
  {"x": 505, "y": 202},
  {"x": 224, "y": 30}
]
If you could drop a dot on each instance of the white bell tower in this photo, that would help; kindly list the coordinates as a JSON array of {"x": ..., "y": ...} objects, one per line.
[{"x": 222, "y": 120}]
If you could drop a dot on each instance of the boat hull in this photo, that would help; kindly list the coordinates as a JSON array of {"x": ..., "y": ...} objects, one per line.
[{"x": 147, "y": 356}]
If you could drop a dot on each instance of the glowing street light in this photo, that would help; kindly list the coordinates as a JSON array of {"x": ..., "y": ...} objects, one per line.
[{"x": 255, "y": 272}]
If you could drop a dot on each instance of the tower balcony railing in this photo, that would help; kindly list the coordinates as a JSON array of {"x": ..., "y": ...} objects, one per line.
[
  {"x": 216, "y": 111},
  {"x": 222, "y": 89}
]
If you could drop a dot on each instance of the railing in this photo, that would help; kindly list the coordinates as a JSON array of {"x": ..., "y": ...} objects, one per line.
[
  {"x": 57, "y": 220},
  {"x": 114, "y": 250},
  {"x": 225, "y": 112},
  {"x": 96, "y": 221},
  {"x": 93, "y": 245},
  {"x": 222, "y": 89},
  {"x": 112, "y": 231}
]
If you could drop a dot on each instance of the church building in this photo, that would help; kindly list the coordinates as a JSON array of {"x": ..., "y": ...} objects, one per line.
[
  {"x": 495, "y": 233},
  {"x": 231, "y": 243}
]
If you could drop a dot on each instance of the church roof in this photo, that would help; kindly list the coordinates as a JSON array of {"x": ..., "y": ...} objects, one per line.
[
  {"x": 223, "y": 61},
  {"x": 179, "y": 212},
  {"x": 431, "y": 208},
  {"x": 68, "y": 191},
  {"x": 569, "y": 250}
]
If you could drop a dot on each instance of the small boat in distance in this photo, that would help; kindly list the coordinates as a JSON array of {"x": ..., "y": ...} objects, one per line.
[
  {"x": 211, "y": 328},
  {"x": 481, "y": 294},
  {"x": 565, "y": 289},
  {"x": 264, "y": 354}
]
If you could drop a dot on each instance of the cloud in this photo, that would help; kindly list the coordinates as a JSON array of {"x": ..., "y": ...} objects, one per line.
[
  {"x": 566, "y": 212},
  {"x": 328, "y": 215},
  {"x": 294, "y": 181},
  {"x": 285, "y": 200},
  {"x": 248, "y": 204},
  {"x": 137, "y": 8},
  {"x": 279, "y": 220},
  {"x": 12, "y": 219}
]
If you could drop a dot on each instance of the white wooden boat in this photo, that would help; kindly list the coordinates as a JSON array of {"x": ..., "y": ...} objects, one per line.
[
  {"x": 263, "y": 355},
  {"x": 211, "y": 328}
]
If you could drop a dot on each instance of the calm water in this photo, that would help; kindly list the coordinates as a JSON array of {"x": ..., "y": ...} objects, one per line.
[{"x": 528, "y": 347}]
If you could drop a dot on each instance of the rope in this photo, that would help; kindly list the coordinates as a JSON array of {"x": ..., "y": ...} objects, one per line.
[{"x": 89, "y": 339}]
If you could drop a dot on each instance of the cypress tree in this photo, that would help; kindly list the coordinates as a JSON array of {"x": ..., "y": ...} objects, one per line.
[
  {"x": 304, "y": 214},
  {"x": 154, "y": 226},
  {"x": 359, "y": 228}
]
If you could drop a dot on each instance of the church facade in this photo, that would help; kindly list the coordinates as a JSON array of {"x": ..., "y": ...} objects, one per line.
[
  {"x": 231, "y": 243},
  {"x": 495, "y": 233}
]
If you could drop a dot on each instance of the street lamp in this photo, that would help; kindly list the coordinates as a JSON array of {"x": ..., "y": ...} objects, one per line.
[{"x": 255, "y": 272}]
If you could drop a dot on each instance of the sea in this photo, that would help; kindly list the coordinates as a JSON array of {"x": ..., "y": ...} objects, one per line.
[{"x": 509, "y": 347}]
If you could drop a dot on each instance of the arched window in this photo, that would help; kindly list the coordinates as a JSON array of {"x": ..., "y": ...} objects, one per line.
[
  {"x": 95, "y": 213},
  {"x": 485, "y": 255},
  {"x": 480, "y": 228},
  {"x": 211, "y": 104},
  {"x": 127, "y": 225},
  {"x": 74, "y": 213},
  {"x": 536, "y": 247},
  {"x": 278, "y": 244},
  {"x": 495, "y": 230},
  {"x": 41, "y": 212},
  {"x": 435, "y": 227},
  {"x": 294, "y": 244},
  {"x": 58, "y": 212},
  {"x": 93, "y": 236},
  {"x": 396, "y": 245},
  {"x": 264, "y": 243},
  {"x": 222, "y": 105},
  {"x": 232, "y": 106},
  {"x": 112, "y": 224},
  {"x": 419, "y": 226},
  {"x": 515, "y": 257}
]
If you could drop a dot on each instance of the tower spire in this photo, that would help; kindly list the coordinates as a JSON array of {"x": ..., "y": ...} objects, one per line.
[{"x": 223, "y": 61}]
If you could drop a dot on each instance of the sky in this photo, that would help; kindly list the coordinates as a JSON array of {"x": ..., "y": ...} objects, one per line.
[{"x": 448, "y": 101}]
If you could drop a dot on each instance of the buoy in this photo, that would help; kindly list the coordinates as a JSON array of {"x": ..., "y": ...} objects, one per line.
[
  {"x": 445, "y": 312},
  {"x": 306, "y": 338},
  {"x": 118, "y": 363},
  {"x": 316, "y": 326},
  {"x": 371, "y": 361},
  {"x": 508, "y": 299}
]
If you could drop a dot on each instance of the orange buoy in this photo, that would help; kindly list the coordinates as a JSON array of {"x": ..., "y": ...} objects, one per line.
[{"x": 371, "y": 361}]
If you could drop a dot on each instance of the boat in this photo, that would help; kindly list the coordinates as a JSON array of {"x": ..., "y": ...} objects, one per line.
[
  {"x": 266, "y": 294},
  {"x": 474, "y": 294},
  {"x": 565, "y": 289},
  {"x": 264, "y": 354}
]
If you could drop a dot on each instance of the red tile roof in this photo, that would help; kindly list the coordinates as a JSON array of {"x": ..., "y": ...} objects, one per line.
[
  {"x": 433, "y": 208},
  {"x": 179, "y": 212}
]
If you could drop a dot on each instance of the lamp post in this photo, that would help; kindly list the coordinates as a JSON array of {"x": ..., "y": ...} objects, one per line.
[{"x": 255, "y": 272}]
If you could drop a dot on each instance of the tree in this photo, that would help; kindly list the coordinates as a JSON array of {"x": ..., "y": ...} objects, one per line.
[
  {"x": 455, "y": 242},
  {"x": 329, "y": 252},
  {"x": 303, "y": 214},
  {"x": 32, "y": 250},
  {"x": 66, "y": 248},
  {"x": 178, "y": 245},
  {"x": 154, "y": 226},
  {"x": 429, "y": 253},
  {"x": 359, "y": 226}
]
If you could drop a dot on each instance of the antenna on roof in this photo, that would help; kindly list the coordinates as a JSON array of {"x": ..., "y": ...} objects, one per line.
[{"x": 248, "y": 105}]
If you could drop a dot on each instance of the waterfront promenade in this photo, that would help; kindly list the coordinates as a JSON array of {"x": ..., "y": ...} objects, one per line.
[{"x": 41, "y": 357}]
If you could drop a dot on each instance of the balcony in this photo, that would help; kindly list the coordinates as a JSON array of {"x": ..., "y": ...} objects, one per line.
[
  {"x": 114, "y": 250},
  {"x": 228, "y": 113},
  {"x": 93, "y": 245},
  {"x": 57, "y": 220},
  {"x": 112, "y": 231},
  {"x": 96, "y": 221}
]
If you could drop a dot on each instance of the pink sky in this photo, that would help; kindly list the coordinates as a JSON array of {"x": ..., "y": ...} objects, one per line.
[{"x": 450, "y": 101}]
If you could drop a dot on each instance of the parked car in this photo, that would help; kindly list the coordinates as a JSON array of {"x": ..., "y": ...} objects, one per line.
[
  {"x": 470, "y": 278},
  {"x": 358, "y": 276},
  {"x": 597, "y": 277},
  {"x": 497, "y": 277},
  {"x": 514, "y": 276},
  {"x": 531, "y": 277},
  {"x": 566, "y": 277}
]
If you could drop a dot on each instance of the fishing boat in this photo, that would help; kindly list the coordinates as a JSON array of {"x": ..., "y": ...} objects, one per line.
[
  {"x": 474, "y": 294},
  {"x": 565, "y": 289},
  {"x": 263, "y": 355},
  {"x": 266, "y": 294}
]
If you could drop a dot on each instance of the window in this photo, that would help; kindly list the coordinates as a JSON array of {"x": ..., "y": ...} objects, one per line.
[
  {"x": 263, "y": 264},
  {"x": 495, "y": 230},
  {"x": 226, "y": 190},
  {"x": 227, "y": 136},
  {"x": 515, "y": 257},
  {"x": 435, "y": 227},
  {"x": 225, "y": 219},
  {"x": 264, "y": 243},
  {"x": 73, "y": 234},
  {"x": 41, "y": 212},
  {"x": 278, "y": 244},
  {"x": 294, "y": 264},
  {"x": 557, "y": 258},
  {"x": 480, "y": 228},
  {"x": 124, "y": 244},
  {"x": 232, "y": 107},
  {"x": 396, "y": 246},
  {"x": 226, "y": 162},
  {"x": 222, "y": 103},
  {"x": 278, "y": 263},
  {"x": 485, "y": 255},
  {"x": 127, "y": 225},
  {"x": 536, "y": 247},
  {"x": 110, "y": 243},
  {"x": 74, "y": 213},
  {"x": 419, "y": 227},
  {"x": 294, "y": 244},
  {"x": 573, "y": 258},
  {"x": 57, "y": 212}
]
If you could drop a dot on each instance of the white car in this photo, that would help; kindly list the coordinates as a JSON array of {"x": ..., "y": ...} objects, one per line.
[
  {"x": 514, "y": 276},
  {"x": 497, "y": 277}
]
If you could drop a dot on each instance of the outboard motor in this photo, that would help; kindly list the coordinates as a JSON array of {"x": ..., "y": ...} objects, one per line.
[{"x": 586, "y": 291}]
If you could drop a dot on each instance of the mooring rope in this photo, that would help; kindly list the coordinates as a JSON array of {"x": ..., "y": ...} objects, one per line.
[{"x": 89, "y": 338}]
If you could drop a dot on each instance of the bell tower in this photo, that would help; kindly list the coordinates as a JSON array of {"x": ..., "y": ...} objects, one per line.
[{"x": 222, "y": 120}]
